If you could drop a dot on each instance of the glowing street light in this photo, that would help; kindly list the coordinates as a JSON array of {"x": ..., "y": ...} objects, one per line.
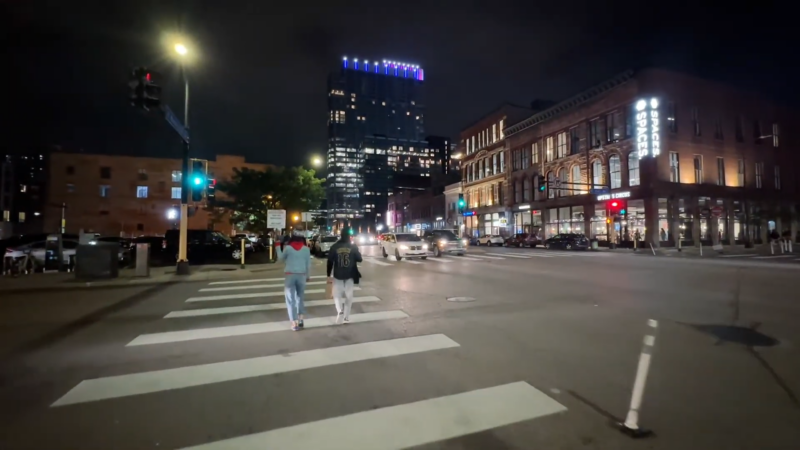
[
  {"x": 316, "y": 161},
  {"x": 295, "y": 218},
  {"x": 181, "y": 49}
]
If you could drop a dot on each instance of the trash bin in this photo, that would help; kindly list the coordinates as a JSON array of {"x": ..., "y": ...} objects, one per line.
[
  {"x": 595, "y": 244},
  {"x": 98, "y": 261},
  {"x": 142, "y": 260}
]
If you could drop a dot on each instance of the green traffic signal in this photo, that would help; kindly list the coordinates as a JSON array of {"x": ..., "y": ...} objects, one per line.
[
  {"x": 198, "y": 181},
  {"x": 622, "y": 212},
  {"x": 461, "y": 203},
  {"x": 542, "y": 188}
]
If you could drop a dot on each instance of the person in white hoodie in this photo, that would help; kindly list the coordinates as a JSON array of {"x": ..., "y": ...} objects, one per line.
[{"x": 297, "y": 258}]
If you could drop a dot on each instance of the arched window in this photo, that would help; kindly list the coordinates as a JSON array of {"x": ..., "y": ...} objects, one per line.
[
  {"x": 551, "y": 189},
  {"x": 633, "y": 168},
  {"x": 562, "y": 176},
  {"x": 526, "y": 189},
  {"x": 614, "y": 172},
  {"x": 597, "y": 174},
  {"x": 576, "y": 180}
]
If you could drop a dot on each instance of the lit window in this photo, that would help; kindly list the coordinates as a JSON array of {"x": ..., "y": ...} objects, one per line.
[
  {"x": 176, "y": 192},
  {"x": 176, "y": 176},
  {"x": 7, "y": 216},
  {"x": 105, "y": 190},
  {"x": 23, "y": 188},
  {"x": 141, "y": 191},
  {"x": 633, "y": 169},
  {"x": 21, "y": 217},
  {"x": 614, "y": 170}
]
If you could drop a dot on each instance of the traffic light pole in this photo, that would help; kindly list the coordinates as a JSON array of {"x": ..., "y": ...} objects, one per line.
[{"x": 183, "y": 261}]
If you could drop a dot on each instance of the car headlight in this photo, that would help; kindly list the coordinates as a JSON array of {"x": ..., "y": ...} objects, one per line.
[
  {"x": 371, "y": 238},
  {"x": 442, "y": 242},
  {"x": 424, "y": 246},
  {"x": 361, "y": 239},
  {"x": 403, "y": 247}
]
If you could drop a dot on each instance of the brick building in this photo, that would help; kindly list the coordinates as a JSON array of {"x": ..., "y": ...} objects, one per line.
[
  {"x": 127, "y": 195},
  {"x": 687, "y": 157},
  {"x": 412, "y": 211},
  {"x": 484, "y": 170}
]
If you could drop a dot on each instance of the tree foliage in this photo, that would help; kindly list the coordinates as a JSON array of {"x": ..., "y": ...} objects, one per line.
[{"x": 249, "y": 193}]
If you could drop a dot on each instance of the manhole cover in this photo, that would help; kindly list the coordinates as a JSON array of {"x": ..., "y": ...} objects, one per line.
[
  {"x": 739, "y": 335},
  {"x": 460, "y": 299}
]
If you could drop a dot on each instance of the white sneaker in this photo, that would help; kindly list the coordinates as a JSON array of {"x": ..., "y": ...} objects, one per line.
[{"x": 340, "y": 318}]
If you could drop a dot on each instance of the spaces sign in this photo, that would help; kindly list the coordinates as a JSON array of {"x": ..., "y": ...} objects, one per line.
[{"x": 648, "y": 133}]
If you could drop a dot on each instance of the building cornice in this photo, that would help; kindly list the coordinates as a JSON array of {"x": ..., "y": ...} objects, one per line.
[{"x": 570, "y": 103}]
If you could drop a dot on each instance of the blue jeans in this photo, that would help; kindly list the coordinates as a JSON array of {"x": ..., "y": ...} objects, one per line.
[{"x": 294, "y": 287}]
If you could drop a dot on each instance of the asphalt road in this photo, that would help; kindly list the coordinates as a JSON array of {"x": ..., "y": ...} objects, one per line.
[{"x": 542, "y": 355}]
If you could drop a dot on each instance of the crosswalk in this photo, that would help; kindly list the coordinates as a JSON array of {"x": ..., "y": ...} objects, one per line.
[
  {"x": 477, "y": 257},
  {"x": 432, "y": 419}
]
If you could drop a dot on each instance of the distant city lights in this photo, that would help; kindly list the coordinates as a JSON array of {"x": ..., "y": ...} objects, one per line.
[{"x": 396, "y": 68}]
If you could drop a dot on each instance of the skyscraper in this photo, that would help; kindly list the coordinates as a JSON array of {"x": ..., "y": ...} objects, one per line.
[{"x": 375, "y": 129}]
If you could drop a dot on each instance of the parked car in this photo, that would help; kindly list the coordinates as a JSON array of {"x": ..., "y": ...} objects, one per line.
[
  {"x": 567, "y": 241},
  {"x": 203, "y": 246},
  {"x": 323, "y": 245},
  {"x": 517, "y": 240},
  {"x": 444, "y": 241},
  {"x": 488, "y": 240},
  {"x": 403, "y": 245}
]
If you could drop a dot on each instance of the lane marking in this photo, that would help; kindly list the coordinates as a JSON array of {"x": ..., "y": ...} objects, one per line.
[
  {"x": 375, "y": 261},
  {"x": 439, "y": 260},
  {"x": 263, "y": 307},
  {"x": 773, "y": 257},
  {"x": 468, "y": 258},
  {"x": 432, "y": 420},
  {"x": 487, "y": 257},
  {"x": 183, "y": 377},
  {"x": 256, "y": 328},
  {"x": 409, "y": 261},
  {"x": 736, "y": 256},
  {"x": 510, "y": 255},
  {"x": 258, "y": 280},
  {"x": 257, "y": 286},
  {"x": 252, "y": 295}
]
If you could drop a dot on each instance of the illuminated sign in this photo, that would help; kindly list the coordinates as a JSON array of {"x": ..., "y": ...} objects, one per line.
[
  {"x": 524, "y": 206},
  {"x": 648, "y": 139},
  {"x": 602, "y": 197},
  {"x": 468, "y": 213}
]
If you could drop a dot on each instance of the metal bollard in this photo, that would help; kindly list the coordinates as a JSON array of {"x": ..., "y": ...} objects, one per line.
[
  {"x": 242, "y": 254},
  {"x": 772, "y": 247}
]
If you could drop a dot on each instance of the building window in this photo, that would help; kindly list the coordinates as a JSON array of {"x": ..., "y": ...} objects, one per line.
[
  {"x": 469, "y": 149},
  {"x": 594, "y": 133},
  {"x": 698, "y": 169},
  {"x": 502, "y": 135},
  {"x": 740, "y": 173},
  {"x": 70, "y": 187},
  {"x": 21, "y": 216},
  {"x": 720, "y": 171},
  {"x": 672, "y": 119},
  {"x": 775, "y": 134},
  {"x": 526, "y": 158},
  {"x": 561, "y": 145},
  {"x": 141, "y": 191},
  {"x": 777, "y": 178},
  {"x": 494, "y": 164},
  {"x": 23, "y": 188},
  {"x": 139, "y": 227},
  {"x": 551, "y": 189},
  {"x": 696, "y": 121},
  {"x": 473, "y": 144},
  {"x": 739, "y": 129},
  {"x": 517, "y": 192},
  {"x": 548, "y": 148},
  {"x": 614, "y": 172},
  {"x": 597, "y": 174},
  {"x": 630, "y": 121},
  {"x": 105, "y": 173},
  {"x": 494, "y": 132},
  {"x": 70, "y": 170},
  {"x": 176, "y": 193},
  {"x": 674, "y": 167},
  {"x": 563, "y": 181},
  {"x": 7, "y": 216},
  {"x": 759, "y": 174},
  {"x": 614, "y": 126},
  {"x": 176, "y": 176},
  {"x": 526, "y": 190},
  {"x": 535, "y": 153},
  {"x": 633, "y": 169},
  {"x": 142, "y": 175},
  {"x": 718, "y": 128},
  {"x": 757, "y": 135},
  {"x": 574, "y": 141},
  {"x": 495, "y": 194},
  {"x": 577, "y": 180},
  {"x": 105, "y": 190},
  {"x": 502, "y": 162}
]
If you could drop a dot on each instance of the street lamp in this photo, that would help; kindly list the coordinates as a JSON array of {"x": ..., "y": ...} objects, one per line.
[
  {"x": 316, "y": 161},
  {"x": 295, "y": 218},
  {"x": 183, "y": 261}
]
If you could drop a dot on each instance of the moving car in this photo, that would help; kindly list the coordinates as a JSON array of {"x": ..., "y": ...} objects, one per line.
[
  {"x": 490, "y": 240},
  {"x": 323, "y": 245},
  {"x": 403, "y": 245},
  {"x": 366, "y": 239},
  {"x": 444, "y": 241},
  {"x": 568, "y": 241}
]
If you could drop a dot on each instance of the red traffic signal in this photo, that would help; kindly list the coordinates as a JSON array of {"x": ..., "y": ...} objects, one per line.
[{"x": 614, "y": 204}]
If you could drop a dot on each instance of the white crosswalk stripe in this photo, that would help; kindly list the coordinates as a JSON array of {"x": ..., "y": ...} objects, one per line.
[
  {"x": 773, "y": 257},
  {"x": 410, "y": 261},
  {"x": 376, "y": 261},
  {"x": 257, "y": 286},
  {"x": 440, "y": 260},
  {"x": 433, "y": 419},
  {"x": 468, "y": 258},
  {"x": 487, "y": 257},
  {"x": 510, "y": 255}
]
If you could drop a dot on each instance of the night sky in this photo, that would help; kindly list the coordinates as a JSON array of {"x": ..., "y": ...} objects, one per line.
[{"x": 258, "y": 79}]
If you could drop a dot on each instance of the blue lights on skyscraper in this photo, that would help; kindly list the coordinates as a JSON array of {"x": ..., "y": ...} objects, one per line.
[{"x": 398, "y": 69}]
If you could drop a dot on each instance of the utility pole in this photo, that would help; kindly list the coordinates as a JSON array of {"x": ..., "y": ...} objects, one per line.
[{"x": 183, "y": 233}]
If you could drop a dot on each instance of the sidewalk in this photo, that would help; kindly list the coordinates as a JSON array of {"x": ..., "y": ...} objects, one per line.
[
  {"x": 694, "y": 251},
  {"x": 158, "y": 275}
]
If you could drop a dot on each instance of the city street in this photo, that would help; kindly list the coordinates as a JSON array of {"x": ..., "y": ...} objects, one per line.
[{"x": 498, "y": 349}]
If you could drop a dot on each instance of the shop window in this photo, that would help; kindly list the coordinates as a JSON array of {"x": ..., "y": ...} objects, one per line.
[
  {"x": 597, "y": 174},
  {"x": 633, "y": 169},
  {"x": 576, "y": 180},
  {"x": 614, "y": 172}
]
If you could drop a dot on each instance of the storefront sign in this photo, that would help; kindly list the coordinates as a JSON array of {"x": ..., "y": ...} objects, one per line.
[
  {"x": 536, "y": 212},
  {"x": 521, "y": 207},
  {"x": 602, "y": 197},
  {"x": 648, "y": 138},
  {"x": 468, "y": 213}
]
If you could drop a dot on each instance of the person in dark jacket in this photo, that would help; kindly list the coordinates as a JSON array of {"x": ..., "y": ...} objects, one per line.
[{"x": 343, "y": 273}]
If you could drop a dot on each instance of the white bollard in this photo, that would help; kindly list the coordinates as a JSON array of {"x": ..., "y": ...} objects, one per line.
[
  {"x": 772, "y": 246},
  {"x": 631, "y": 425},
  {"x": 783, "y": 246},
  {"x": 653, "y": 249},
  {"x": 790, "y": 245},
  {"x": 701, "y": 249}
]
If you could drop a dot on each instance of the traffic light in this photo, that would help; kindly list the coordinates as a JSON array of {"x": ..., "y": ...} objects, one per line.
[
  {"x": 145, "y": 90},
  {"x": 197, "y": 181},
  {"x": 540, "y": 180},
  {"x": 461, "y": 203}
]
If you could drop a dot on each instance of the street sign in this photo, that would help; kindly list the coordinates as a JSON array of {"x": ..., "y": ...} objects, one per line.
[
  {"x": 276, "y": 218},
  {"x": 716, "y": 211},
  {"x": 176, "y": 124},
  {"x": 306, "y": 217}
]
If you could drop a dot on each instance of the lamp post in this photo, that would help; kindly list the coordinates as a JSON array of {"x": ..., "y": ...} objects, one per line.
[{"x": 183, "y": 261}]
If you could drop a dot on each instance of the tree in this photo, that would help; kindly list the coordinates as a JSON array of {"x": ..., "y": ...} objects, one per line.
[{"x": 249, "y": 193}]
